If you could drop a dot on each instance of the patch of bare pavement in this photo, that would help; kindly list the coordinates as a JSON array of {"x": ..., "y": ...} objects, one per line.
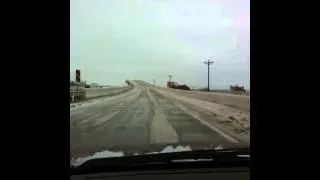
[{"x": 147, "y": 119}]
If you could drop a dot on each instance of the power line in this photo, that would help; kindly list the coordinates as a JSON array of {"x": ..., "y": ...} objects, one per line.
[{"x": 208, "y": 63}]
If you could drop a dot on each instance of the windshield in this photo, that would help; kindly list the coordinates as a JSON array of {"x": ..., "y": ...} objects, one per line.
[{"x": 158, "y": 76}]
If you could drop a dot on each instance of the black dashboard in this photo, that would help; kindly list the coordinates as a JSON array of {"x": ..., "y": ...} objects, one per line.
[{"x": 237, "y": 173}]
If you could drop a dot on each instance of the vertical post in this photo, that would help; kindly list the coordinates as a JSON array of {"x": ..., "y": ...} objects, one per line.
[
  {"x": 208, "y": 63},
  {"x": 78, "y": 79},
  {"x": 208, "y": 79},
  {"x": 169, "y": 82}
]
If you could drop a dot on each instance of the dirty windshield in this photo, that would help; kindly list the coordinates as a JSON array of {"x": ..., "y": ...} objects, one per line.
[{"x": 158, "y": 76}]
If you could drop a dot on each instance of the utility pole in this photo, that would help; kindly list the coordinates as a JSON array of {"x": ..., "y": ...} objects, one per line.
[
  {"x": 169, "y": 82},
  {"x": 208, "y": 63}
]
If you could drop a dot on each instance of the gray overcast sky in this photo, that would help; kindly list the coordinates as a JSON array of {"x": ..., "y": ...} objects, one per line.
[{"x": 114, "y": 40}]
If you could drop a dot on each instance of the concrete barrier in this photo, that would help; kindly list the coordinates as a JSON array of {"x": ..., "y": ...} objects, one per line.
[
  {"x": 93, "y": 93},
  {"x": 105, "y": 92},
  {"x": 77, "y": 94}
]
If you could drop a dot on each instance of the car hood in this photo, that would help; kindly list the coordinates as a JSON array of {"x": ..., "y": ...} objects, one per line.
[{"x": 79, "y": 159}]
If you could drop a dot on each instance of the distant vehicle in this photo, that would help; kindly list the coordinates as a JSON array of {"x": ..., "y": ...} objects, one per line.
[
  {"x": 183, "y": 87},
  {"x": 175, "y": 85},
  {"x": 172, "y": 84},
  {"x": 237, "y": 88},
  {"x": 128, "y": 82}
]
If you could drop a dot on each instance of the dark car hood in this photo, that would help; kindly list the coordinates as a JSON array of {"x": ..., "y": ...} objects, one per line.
[{"x": 78, "y": 159}]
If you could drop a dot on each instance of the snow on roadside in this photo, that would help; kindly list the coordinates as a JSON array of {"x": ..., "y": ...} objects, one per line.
[
  {"x": 74, "y": 106},
  {"x": 233, "y": 120},
  {"x": 231, "y": 100}
]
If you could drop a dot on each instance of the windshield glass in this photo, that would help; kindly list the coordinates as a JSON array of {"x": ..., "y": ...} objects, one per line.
[{"x": 158, "y": 76}]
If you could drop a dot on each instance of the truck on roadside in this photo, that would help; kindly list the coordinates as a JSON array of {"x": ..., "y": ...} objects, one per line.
[{"x": 175, "y": 85}]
